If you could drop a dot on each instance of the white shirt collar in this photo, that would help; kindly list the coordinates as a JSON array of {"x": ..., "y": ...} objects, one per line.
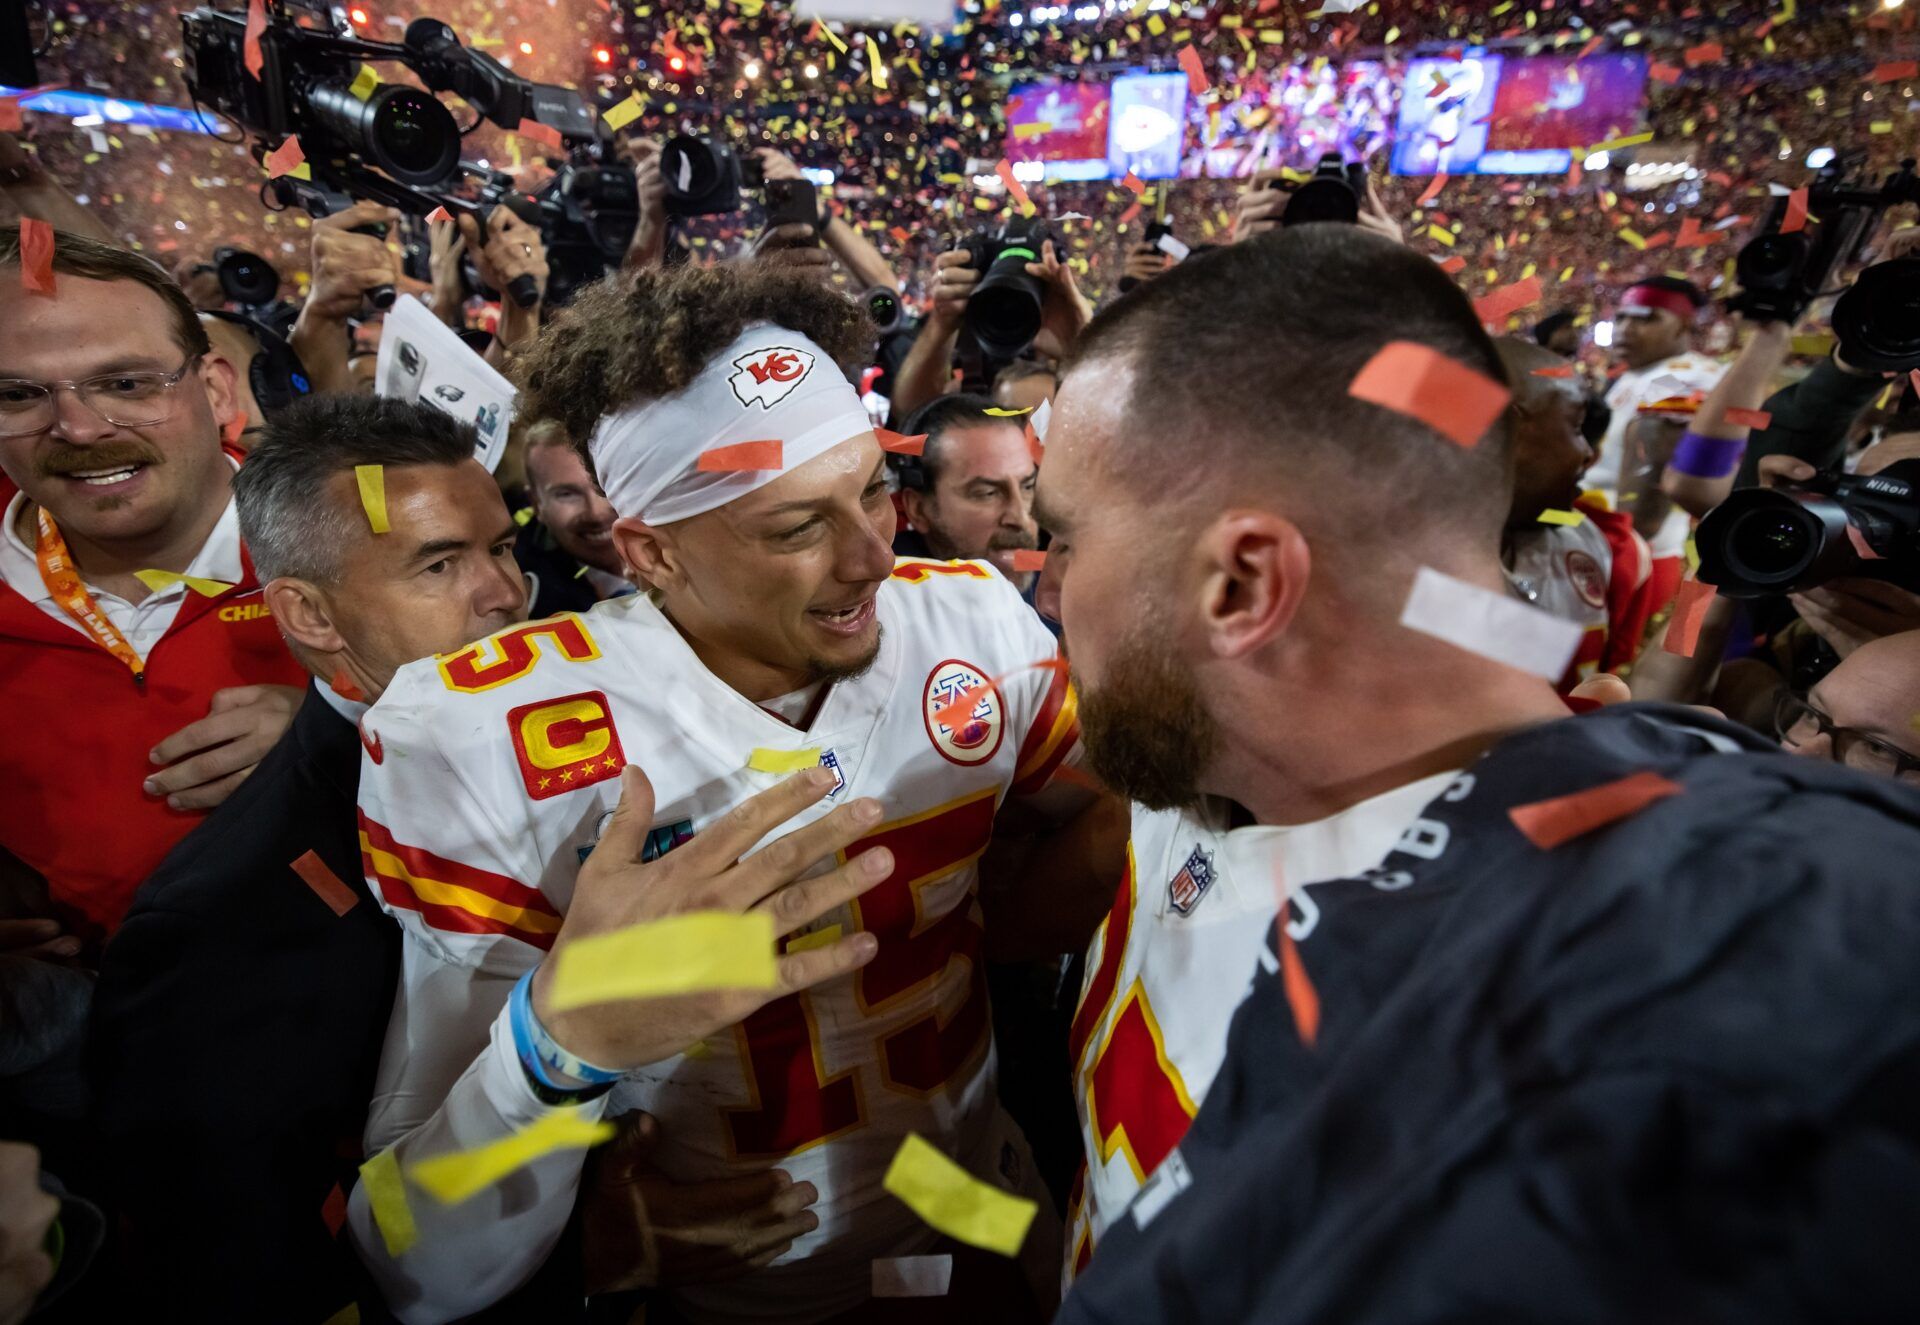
[{"x": 350, "y": 709}]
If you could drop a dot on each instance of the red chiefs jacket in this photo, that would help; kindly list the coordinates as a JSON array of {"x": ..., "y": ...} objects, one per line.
[{"x": 78, "y": 730}]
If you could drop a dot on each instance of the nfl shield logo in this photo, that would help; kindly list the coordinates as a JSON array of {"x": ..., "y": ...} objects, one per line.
[
  {"x": 830, "y": 760},
  {"x": 1192, "y": 882}
]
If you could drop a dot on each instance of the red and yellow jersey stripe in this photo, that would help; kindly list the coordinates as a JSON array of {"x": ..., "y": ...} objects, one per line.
[
  {"x": 454, "y": 897},
  {"x": 1051, "y": 738}
]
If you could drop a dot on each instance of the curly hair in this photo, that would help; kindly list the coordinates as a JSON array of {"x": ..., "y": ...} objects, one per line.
[{"x": 638, "y": 336}]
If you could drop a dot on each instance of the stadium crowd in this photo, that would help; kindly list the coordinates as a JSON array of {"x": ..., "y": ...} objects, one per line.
[{"x": 1341, "y": 771}]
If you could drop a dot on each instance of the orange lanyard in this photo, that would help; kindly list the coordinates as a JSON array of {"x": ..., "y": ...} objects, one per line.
[{"x": 64, "y": 583}]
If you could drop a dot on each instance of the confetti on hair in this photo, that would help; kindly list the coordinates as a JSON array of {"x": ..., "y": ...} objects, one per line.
[
  {"x": 325, "y": 883},
  {"x": 1570, "y": 519},
  {"x": 763, "y": 760},
  {"x": 740, "y": 456},
  {"x": 1796, "y": 213},
  {"x": 455, "y": 1177},
  {"x": 681, "y": 954},
  {"x": 1422, "y": 383},
  {"x": 372, "y": 481},
  {"x": 250, "y": 43},
  {"x": 1000, "y": 412},
  {"x": 36, "y": 256},
  {"x": 1492, "y": 625},
  {"x": 1026, "y": 559},
  {"x": 1552, "y": 823},
  {"x": 955, "y": 1202},
  {"x": 288, "y": 159},
  {"x": 894, "y": 444},
  {"x": 387, "y": 1199}
]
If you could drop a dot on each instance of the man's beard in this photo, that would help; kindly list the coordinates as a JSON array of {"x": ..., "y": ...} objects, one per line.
[
  {"x": 1145, "y": 732},
  {"x": 819, "y": 669}
]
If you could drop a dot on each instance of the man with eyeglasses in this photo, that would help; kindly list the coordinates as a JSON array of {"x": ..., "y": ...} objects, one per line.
[
  {"x": 144, "y": 675},
  {"x": 1863, "y": 713}
]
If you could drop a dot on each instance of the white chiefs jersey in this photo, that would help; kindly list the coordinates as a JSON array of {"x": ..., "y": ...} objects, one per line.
[
  {"x": 1679, "y": 375},
  {"x": 1171, "y": 963},
  {"x": 1564, "y": 570},
  {"x": 497, "y": 767}
]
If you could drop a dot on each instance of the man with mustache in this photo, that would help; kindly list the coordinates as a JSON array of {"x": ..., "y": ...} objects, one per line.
[
  {"x": 567, "y": 548},
  {"x": 145, "y": 677},
  {"x": 969, "y": 494}
]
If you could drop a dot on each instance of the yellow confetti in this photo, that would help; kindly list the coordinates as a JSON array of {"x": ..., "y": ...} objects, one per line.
[
  {"x": 830, "y": 35},
  {"x": 387, "y": 1198},
  {"x": 764, "y": 760},
  {"x": 365, "y": 83},
  {"x": 1000, "y": 413},
  {"x": 347, "y": 1315},
  {"x": 820, "y": 938},
  {"x": 955, "y": 1202},
  {"x": 1615, "y": 144},
  {"x": 1156, "y": 25},
  {"x": 1633, "y": 237},
  {"x": 453, "y": 1178},
  {"x": 1439, "y": 234},
  {"x": 677, "y": 955},
  {"x": 876, "y": 70},
  {"x": 373, "y": 495},
  {"x": 157, "y": 580},
  {"x": 621, "y": 114},
  {"x": 1880, "y": 126},
  {"x": 1561, "y": 517}
]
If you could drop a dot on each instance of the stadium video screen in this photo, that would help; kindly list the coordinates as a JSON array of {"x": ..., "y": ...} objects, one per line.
[
  {"x": 1149, "y": 125},
  {"x": 1058, "y": 122},
  {"x": 1292, "y": 116},
  {"x": 1490, "y": 115}
]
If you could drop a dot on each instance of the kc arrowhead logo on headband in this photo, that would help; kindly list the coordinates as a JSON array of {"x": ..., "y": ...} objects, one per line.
[{"x": 766, "y": 377}]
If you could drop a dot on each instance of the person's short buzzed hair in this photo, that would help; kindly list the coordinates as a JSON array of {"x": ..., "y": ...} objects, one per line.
[
  {"x": 93, "y": 260},
  {"x": 934, "y": 420},
  {"x": 1241, "y": 362},
  {"x": 286, "y": 522}
]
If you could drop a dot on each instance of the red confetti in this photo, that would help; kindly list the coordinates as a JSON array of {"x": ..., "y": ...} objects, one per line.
[
  {"x": 1197, "y": 81},
  {"x": 1015, "y": 188},
  {"x": 36, "y": 256},
  {"x": 333, "y": 1211},
  {"x": 1035, "y": 447},
  {"x": 1689, "y": 612},
  {"x": 956, "y": 712},
  {"x": 900, "y": 234},
  {"x": 325, "y": 883},
  {"x": 740, "y": 456},
  {"x": 1558, "y": 370},
  {"x": 1707, "y": 52},
  {"x": 1422, "y": 383},
  {"x": 1862, "y": 548},
  {"x": 1432, "y": 190},
  {"x": 256, "y": 29},
  {"x": 1749, "y": 418},
  {"x": 898, "y": 445},
  {"x": 343, "y": 686},
  {"x": 1134, "y": 183},
  {"x": 1498, "y": 306},
  {"x": 1025, "y": 559},
  {"x": 439, "y": 214},
  {"x": 1454, "y": 265},
  {"x": 1663, "y": 73},
  {"x": 1551, "y": 823},
  {"x": 1893, "y": 71},
  {"x": 1302, "y": 998},
  {"x": 282, "y": 159},
  {"x": 1127, "y": 216},
  {"x": 10, "y": 115},
  {"x": 1796, "y": 217},
  {"x": 542, "y": 133}
]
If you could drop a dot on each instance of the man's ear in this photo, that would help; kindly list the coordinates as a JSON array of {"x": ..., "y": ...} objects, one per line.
[
  {"x": 223, "y": 396},
  {"x": 300, "y": 610},
  {"x": 1253, "y": 572},
  {"x": 648, "y": 553},
  {"x": 913, "y": 504}
]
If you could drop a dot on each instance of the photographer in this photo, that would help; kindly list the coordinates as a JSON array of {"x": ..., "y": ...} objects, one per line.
[
  {"x": 512, "y": 249},
  {"x": 648, "y": 247},
  {"x": 1064, "y": 311},
  {"x": 798, "y": 246},
  {"x": 346, "y": 265},
  {"x": 1262, "y": 205}
]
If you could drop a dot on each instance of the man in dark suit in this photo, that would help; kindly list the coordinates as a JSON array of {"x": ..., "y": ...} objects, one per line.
[{"x": 241, "y": 1007}]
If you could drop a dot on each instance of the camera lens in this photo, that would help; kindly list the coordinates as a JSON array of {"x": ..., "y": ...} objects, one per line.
[
  {"x": 1771, "y": 260},
  {"x": 883, "y": 306},
  {"x": 1322, "y": 200},
  {"x": 1771, "y": 544},
  {"x": 401, "y": 129},
  {"x": 1004, "y": 310},
  {"x": 1878, "y": 318}
]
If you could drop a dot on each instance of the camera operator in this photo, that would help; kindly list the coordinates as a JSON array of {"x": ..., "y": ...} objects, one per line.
[
  {"x": 512, "y": 249},
  {"x": 799, "y": 246},
  {"x": 1064, "y": 311},
  {"x": 1261, "y": 206},
  {"x": 648, "y": 247},
  {"x": 345, "y": 265}
]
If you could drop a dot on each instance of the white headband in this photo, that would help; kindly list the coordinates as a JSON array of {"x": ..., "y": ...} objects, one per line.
[{"x": 771, "y": 384}]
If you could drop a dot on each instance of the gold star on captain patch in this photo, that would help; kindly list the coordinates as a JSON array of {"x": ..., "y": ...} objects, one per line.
[
  {"x": 545, "y": 783},
  {"x": 566, "y": 775},
  {"x": 609, "y": 762}
]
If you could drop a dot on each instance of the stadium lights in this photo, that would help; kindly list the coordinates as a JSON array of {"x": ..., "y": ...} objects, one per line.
[
  {"x": 1597, "y": 161},
  {"x": 811, "y": 71},
  {"x": 1820, "y": 158},
  {"x": 751, "y": 69},
  {"x": 1891, "y": 4},
  {"x": 1603, "y": 334}
]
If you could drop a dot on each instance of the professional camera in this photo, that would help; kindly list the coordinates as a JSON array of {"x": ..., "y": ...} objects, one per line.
[
  {"x": 883, "y": 306},
  {"x": 1877, "y": 320},
  {"x": 1333, "y": 194},
  {"x": 1003, "y": 312},
  {"x": 1781, "y": 274},
  {"x": 702, "y": 177},
  {"x": 1763, "y": 541},
  {"x": 245, "y": 278},
  {"x": 397, "y": 144}
]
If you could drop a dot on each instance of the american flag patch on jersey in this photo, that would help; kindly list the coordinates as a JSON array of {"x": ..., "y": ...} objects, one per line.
[{"x": 1192, "y": 882}]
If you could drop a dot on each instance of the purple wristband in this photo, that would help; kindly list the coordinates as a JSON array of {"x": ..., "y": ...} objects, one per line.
[{"x": 1707, "y": 457}]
